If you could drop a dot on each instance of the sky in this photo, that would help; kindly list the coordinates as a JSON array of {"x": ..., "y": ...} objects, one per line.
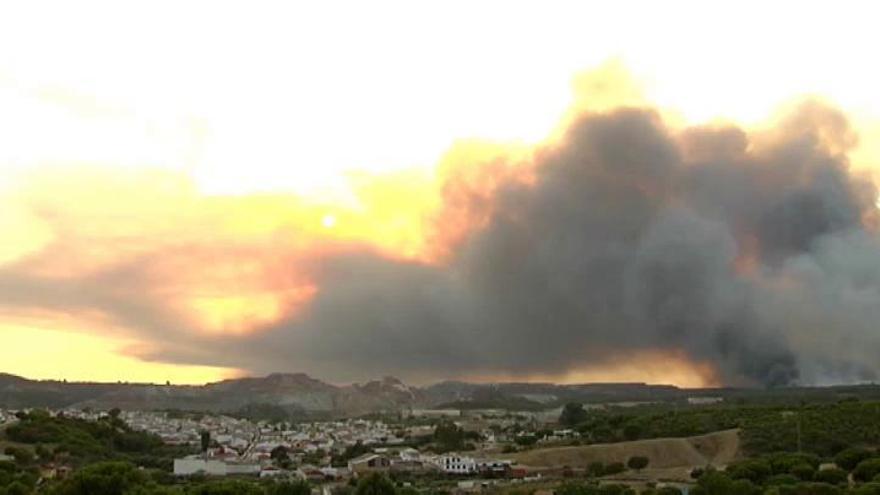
[{"x": 492, "y": 190}]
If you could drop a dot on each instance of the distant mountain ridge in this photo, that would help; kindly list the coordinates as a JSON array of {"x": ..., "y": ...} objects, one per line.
[{"x": 300, "y": 395}]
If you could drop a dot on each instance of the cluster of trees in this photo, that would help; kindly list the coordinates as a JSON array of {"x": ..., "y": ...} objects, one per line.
[
  {"x": 796, "y": 474},
  {"x": 122, "y": 478},
  {"x": 722, "y": 483},
  {"x": 592, "y": 488},
  {"x": 450, "y": 437},
  {"x": 597, "y": 469},
  {"x": 17, "y": 480},
  {"x": 78, "y": 442},
  {"x": 823, "y": 429}
]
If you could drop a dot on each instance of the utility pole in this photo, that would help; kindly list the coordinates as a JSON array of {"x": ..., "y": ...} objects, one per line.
[{"x": 799, "y": 441}]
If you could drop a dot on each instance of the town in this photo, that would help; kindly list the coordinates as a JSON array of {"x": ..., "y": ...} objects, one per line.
[{"x": 338, "y": 451}]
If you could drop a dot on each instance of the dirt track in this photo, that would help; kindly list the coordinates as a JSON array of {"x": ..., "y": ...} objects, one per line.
[{"x": 717, "y": 449}]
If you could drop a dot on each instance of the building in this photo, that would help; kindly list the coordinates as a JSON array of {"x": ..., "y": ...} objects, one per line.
[
  {"x": 369, "y": 463},
  {"x": 494, "y": 467},
  {"x": 410, "y": 454},
  {"x": 456, "y": 464},
  {"x": 194, "y": 465},
  {"x": 186, "y": 467},
  {"x": 435, "y": 413}
]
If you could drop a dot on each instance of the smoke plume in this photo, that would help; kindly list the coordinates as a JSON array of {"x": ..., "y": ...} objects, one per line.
[{"x": 753, "y": 252}]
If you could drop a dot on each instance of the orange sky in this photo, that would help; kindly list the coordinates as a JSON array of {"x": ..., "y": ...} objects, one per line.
[{"x": 155, "y": 162}]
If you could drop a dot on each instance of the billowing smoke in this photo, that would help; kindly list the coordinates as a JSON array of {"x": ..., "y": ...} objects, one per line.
[
  {"x": 754, "y": 254},
  {"x": 751, "y": 252}
]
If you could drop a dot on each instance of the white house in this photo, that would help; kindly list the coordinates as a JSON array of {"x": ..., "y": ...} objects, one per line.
[{"x": 456, "y": 464}]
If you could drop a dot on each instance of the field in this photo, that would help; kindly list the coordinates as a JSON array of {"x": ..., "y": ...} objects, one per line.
[{"x": 717, "y": 449}]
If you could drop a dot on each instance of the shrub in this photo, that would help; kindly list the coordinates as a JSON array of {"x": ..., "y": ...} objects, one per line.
[{"x": 637, "y": 462}]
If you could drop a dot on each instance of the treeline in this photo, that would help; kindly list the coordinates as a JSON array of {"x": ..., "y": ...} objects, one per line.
[
  {"x": 593, "y": 488},
  {"x": 822, "y": 429},
  {"x": 122, "y": 478}
]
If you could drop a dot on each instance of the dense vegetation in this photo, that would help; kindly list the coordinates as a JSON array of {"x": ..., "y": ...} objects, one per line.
[
  {"x": 122, "y": 478},
  {"x": 823, "y": 429},
  {"x": 449, "y": 437},
  {"x": 77, "y": 442}
]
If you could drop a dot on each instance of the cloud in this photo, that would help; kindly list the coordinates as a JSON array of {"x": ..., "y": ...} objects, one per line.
[{"x": 751, "y": 255}]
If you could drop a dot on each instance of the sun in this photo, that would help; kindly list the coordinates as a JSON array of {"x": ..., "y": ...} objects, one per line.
[{"x": 329, "y": 221}]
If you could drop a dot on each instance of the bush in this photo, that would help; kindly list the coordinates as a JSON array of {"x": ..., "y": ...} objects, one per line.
[
  {"x": 595, "y": 469},
  {"x": 614, "y": 468},
  {"x": 637, "y": 462}
]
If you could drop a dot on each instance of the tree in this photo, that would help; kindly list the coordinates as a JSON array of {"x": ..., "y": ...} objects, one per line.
[
  {"x": 572, "y": 414},
  {"x": 615, "y": 468},
  {"x": 803, "y": 471},
  {"x": 449, "y": 436},
  {"x": 227, "y": 487},
  {"x": 637, "y": 462},
  {"x": 834, "y": 476},
  {"x": 17, "y": 488},
  {"x": 290, "y": 488},
  {"x": 717, "y": 483},
  {"x": 106, "y": 478},
  {"x": 22, "y": 456},
  {"x": 632, "y": 431},
  {"x": 595, "y": 469},
  {"x": 850, "y": 458},
  {"x": 43, "y": 453},
  {"x": 375, "y": 484},
  {"x": 754, "y": 470},
  {"x": 279, "y": 454},
  {"x": 867, "y": 469},
  {"x": 206, "y": 442}
]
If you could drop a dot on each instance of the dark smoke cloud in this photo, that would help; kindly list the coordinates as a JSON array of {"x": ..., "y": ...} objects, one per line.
[
  {"x": 630, "y": 238},
  {"x": 752, "y": 252}
]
